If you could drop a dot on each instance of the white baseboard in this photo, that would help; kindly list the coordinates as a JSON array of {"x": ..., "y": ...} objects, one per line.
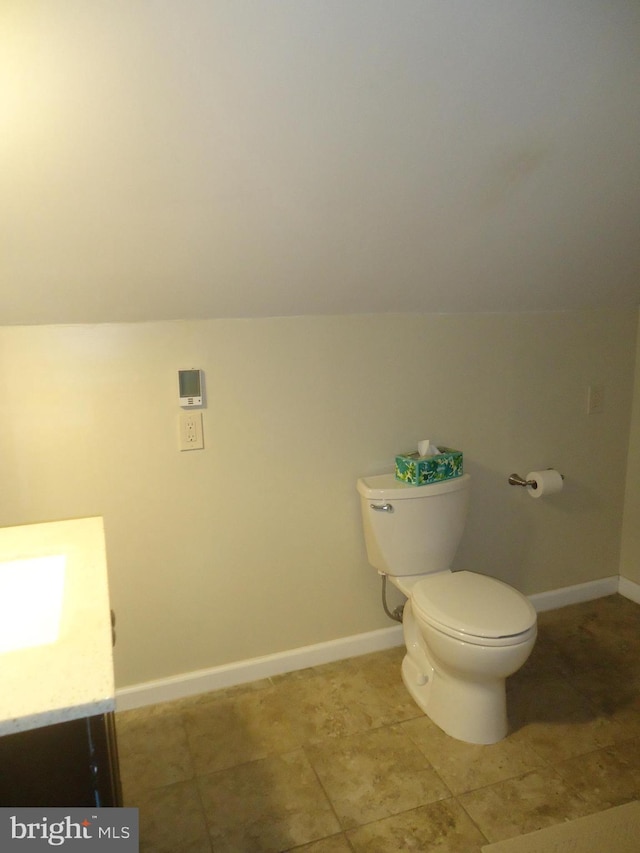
[
  {"x": 556, "y": 598},
  {"x": 629, "y": 589},
  {"x": 241, "y": 672}
]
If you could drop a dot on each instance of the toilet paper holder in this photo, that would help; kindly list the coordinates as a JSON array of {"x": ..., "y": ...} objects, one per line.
[{"x": 517, "y": 480}]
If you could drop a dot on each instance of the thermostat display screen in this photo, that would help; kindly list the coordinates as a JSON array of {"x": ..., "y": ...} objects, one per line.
[{"x": 189, "y": 381}]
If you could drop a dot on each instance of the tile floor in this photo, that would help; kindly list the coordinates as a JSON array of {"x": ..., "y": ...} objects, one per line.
[{"x": 338, "y": 759}]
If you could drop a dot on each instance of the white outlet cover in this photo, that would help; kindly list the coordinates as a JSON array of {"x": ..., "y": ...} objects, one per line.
[{"x": 190, "y": 434}]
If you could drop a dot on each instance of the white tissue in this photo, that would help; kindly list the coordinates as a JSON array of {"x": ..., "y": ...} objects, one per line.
[{"x": 425, "y": 448}]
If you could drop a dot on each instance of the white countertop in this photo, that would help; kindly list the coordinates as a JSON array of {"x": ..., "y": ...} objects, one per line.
[{"x": 56, "y": 660}]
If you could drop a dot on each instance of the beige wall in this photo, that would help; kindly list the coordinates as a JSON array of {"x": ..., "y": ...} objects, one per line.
[
  {"x": 630, "y": 551},
  {"x": 254, "y": 545}
]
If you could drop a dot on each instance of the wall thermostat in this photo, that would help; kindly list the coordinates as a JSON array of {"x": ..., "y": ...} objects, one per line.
[{"x": 191, "y": 388}]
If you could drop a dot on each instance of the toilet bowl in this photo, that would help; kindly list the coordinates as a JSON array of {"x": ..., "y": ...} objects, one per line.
[{"x": 465, "y": 633}]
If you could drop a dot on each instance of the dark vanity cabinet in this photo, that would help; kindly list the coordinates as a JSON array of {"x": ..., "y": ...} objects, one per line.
[{"x": 74, "y": 763}]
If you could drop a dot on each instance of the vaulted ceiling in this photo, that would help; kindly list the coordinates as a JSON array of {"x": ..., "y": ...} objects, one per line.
[{"x": 165, "y": 160}]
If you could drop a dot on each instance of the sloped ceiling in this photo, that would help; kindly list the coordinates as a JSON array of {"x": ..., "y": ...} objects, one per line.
[{"x": 217, "y": 158}]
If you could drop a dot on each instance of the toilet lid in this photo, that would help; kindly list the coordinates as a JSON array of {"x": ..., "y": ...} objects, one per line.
[{"x": 473, "y": 604}]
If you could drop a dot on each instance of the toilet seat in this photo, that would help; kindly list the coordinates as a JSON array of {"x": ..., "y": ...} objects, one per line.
[{"x": 474, "y": 608}]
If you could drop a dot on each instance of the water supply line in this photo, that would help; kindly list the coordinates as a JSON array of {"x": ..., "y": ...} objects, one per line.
[{"x": 396, "y": 615}]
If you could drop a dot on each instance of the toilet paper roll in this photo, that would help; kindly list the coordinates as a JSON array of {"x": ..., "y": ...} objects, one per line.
[{"x": 548, "y": 482}]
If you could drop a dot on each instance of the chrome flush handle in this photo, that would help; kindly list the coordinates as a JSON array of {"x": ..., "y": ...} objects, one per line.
[{"x": 382, "y": 507}]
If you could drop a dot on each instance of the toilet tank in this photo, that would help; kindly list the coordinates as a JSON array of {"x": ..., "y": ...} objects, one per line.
[{"x": 412, "y": 530}]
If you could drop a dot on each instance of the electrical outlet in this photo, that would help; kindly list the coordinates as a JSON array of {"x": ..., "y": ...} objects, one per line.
[
  {"x": 190, "y": 431},
  {"x": 595, "y": 399}
]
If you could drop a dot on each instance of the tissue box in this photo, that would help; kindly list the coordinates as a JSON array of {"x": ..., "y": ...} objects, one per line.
[{"x": 422, "y": 470}]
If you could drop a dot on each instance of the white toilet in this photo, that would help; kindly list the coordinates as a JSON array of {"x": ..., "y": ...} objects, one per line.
[{"x": 464, "y": 632}]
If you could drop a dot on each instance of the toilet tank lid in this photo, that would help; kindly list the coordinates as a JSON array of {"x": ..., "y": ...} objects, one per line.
[
  {"x": 385, "y": 487},
  {"x": 474, "y": 604}
]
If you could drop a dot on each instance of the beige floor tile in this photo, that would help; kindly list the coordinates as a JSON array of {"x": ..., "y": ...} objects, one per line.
[
  {"x": 555, "y": 742},
  {"x": 375, "y": 774},
  {"x": 382, "y": 672},
  {"x": 172, "y": 820},
  {"x": 616, "y": 697},
  {"x": 596, "y": 634},
  {"x": 584, "y": 650},
  {"x": 556, "y": 721},
  {"x": 177, "y": 706},
  {"x": 467, "y": 766},
  {"x": 377, "y": 702},
  {"x": 320, "y": 701},
  {"x": 153, "y": 752},
  {"x": 335, "y": 671},
  {"x": 385, "y": 664},
  {"x": 550, "y": 699},
  {"x": 544, "y": 661},
  {"x": 443, "y": 827},
  {"x": 269, "y": 805},
  {"x": 558, "y": 741},
  {"x": 189, "y": 702},
  {"x": 537, "y": 799},
  {"x": 602, "y": 614},
  {"x": 232, "y": 731},
  {"x": 337, "y": 702},
  {"x": 606, "y": 778},
  {"x": 333, "y": 844}
]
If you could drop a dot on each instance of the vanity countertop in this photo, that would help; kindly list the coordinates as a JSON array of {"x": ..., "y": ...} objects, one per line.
[{"x": 56, "y": 661}]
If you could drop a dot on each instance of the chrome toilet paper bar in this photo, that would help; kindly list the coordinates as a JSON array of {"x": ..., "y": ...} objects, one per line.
[{"x": 517, "y": 480}]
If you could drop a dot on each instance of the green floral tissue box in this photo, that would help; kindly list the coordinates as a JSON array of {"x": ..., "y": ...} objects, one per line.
[{"x": 422, "y": 470}]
